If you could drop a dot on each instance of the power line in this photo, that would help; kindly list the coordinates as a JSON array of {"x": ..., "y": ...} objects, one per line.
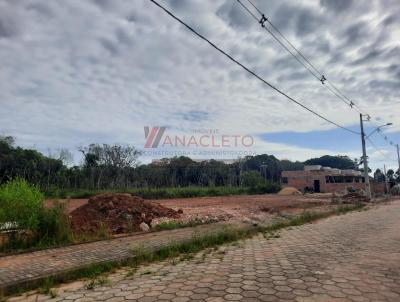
[
  {"x": 249, "y": 70},
  {"x": 280, "y": 42},
  {"x": 310, "y": 67},
  {"x": 385, "y": 137},
  {"x": 379, "y": 150},
  {"x": 336, "y": 91}
]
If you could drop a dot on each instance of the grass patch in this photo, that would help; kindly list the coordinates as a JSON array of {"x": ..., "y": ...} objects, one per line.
[
  {"x": 97, "y": 281},
  {"x": 46, "y": 288},
  {"x": 172, "y": 224},
  {"x": 185, "y": 250},
  {"x": 307, "y": 217}
]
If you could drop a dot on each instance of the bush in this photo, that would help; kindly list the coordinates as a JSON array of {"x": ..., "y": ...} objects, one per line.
[
  {"x": 54, "y": 225},
  {"x": 251, "y": 179},
  {"x": 20, "y": 203},
  {"x": 264, "y": 188}
]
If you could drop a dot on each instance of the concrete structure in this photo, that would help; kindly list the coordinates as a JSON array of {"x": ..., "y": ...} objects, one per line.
[{"x": 325, "y": 179}]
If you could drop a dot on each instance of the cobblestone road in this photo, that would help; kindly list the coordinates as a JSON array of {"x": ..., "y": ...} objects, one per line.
[
  {"x": 17, "y": 269},
  {"x": 353, "y": 257}
]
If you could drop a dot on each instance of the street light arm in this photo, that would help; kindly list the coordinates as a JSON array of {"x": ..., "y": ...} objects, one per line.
[{"x": 377, "y": 129}]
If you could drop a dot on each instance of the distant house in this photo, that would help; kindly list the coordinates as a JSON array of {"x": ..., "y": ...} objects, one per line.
[{"x": 325, "y": 179}]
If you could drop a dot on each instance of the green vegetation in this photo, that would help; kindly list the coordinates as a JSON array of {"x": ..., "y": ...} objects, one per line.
[
  {"x": 27, "y": 221},
  {"x": 46, "y": 288},
  {"x": 195, "y": 244},
  {"x": 172, "y": 225},
  {"x": 173, "y": 192},
  {"x": 339, "y": 162},
  {"x": 307, "y": 217},
  {"x": 20, "y": 205},
  {"x": 97, "y": 281},
  {"x": 115, "y": 167}
]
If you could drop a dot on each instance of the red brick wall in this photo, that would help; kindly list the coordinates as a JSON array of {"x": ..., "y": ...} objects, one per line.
[{"x": 302, "y": 179}]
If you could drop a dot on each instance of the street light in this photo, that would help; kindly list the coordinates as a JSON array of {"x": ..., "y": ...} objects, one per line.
[
  {"x": 365, "y": 159},
  {"x": 378, "y": 128}
]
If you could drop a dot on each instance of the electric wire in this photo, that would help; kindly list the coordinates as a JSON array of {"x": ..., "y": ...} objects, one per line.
[
  {"x": 380, "y": 151},
  {"x": 249, "y": 70},
  {"x": 313, "y": 70},
  {"x": 336, "y": 91}
]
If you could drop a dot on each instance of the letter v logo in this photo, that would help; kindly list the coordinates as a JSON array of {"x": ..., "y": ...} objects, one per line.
[{"x": 153, "y": 136}]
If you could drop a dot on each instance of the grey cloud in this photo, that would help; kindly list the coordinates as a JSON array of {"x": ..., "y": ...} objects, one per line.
[
  {"x": 10, "y": 23},
  {"x": 123, "y": 37},
  {"x": 180, "y": 5},
  {"x": 195, "y": 115},
  {"x": 369, "y": 56},
  {"x": 234, "y": 15},
  {"x": 6, "y": 29},
  {"x": 283, "y": 16},
  {"x": 336, "y": 5},
  {"x": 356, "y": 32},
  {"x": 389, "y": 20},
  {"x": 393, "y": 53},
  {"x": 293, "y": 76},
  {"x": 109, "y": 45},
  {"x": 323, "y": 46},
  {"x": 104, "y": 4},
  {"x": 41, "y": 8},
  {"x": 385, "y": 85},
  {"x": 308, "y": 22}
]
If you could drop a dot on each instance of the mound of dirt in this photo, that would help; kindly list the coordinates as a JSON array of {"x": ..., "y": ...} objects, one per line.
[
  {"x": 354, "y": 197},
  {"x": 119, "y": 213},
  {"x": 351, "y": 197},
  {"x": 287, "y": 191}
]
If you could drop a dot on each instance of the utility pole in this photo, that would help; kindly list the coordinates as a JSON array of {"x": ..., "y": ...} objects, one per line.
[
  {"x": 386, "y": 181},
  {"x": 365, "y": 161},
  {"x": 398, "y": 155}
]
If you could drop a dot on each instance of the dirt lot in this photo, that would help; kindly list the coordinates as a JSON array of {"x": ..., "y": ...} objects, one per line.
[{"x": 241, "y": 207}]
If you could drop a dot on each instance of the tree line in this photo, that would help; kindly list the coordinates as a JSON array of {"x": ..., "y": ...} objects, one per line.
[{"x": 106, "y": 166}]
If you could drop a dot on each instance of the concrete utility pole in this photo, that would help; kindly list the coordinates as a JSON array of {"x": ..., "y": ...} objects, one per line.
[
  {"x": 398, "y": 155},
  {"x": 386, "y": 181},
  {"x": 365, "y": 161}
]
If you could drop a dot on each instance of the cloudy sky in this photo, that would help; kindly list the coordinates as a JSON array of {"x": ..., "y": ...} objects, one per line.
[{"x": 75, "y": 72}]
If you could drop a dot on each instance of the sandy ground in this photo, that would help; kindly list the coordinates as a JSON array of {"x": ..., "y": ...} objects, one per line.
[{"x": 239, "y": 207}]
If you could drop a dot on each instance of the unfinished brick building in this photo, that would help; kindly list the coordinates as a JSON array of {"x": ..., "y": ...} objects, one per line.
[{"x": 325, "y": 179}]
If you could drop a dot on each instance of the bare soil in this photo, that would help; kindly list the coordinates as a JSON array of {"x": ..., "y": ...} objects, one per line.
[
  {"x": 118, "y": 213},
  {"x": 239, "y": 207},
  {"x": 245, "y": 207}
]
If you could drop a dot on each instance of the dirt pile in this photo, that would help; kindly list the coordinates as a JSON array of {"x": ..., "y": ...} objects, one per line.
[
  {"x": 354, "y": 197},
  {"x": 118, "y": 213},
  {"x": 350, "y": 197},
  {"x": 289, "y": 191}
]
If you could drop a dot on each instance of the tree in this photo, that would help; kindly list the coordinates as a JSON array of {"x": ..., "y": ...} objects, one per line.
[
  {"x": 379, "y": 176},
  {"x": 65, "y": 156},
  {"x": 7, "y": 140},
  {"x": 390, "y": 175},
  {"x": 116, "y": 156},
  {"x": 339, "y": 162}
]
